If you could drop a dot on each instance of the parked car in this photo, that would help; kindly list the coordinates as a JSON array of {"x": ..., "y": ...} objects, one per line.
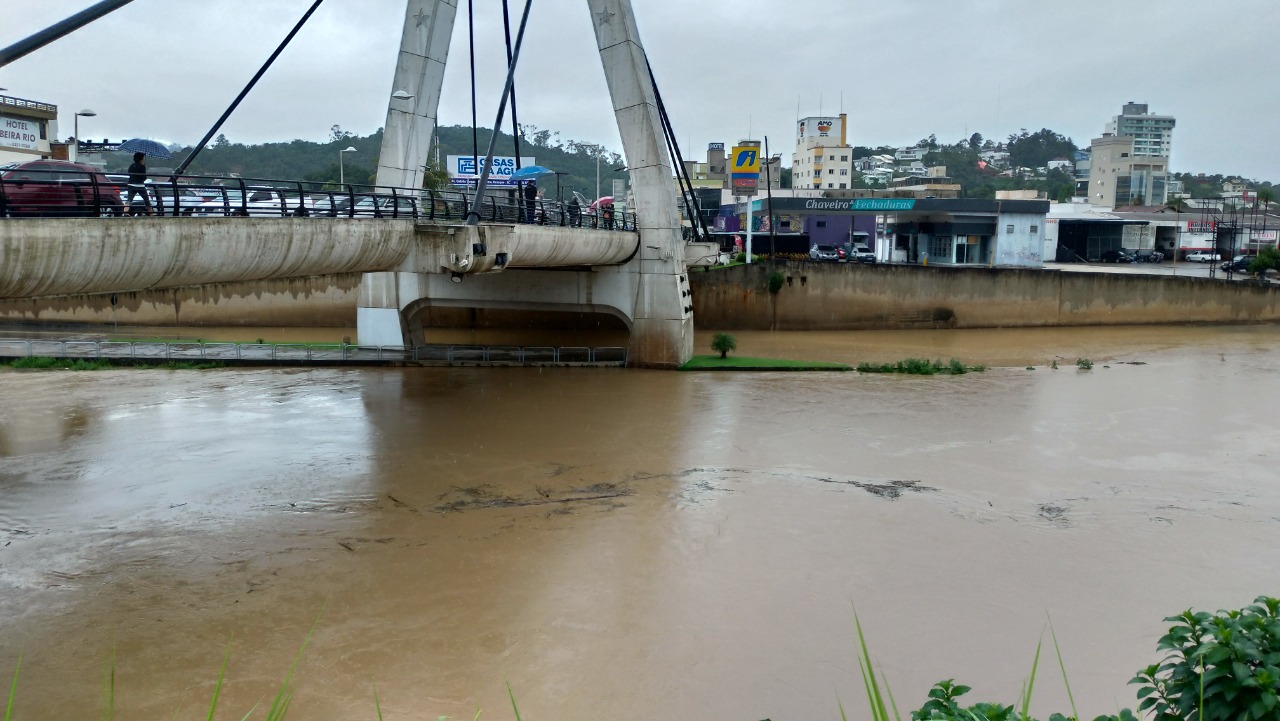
[
  {"x": 863, "y": 254},
  {"x": 824, "y": 252},
  {"x": 1238, "y": 264},
  {"x": 1149, "y": 256},
  {"x": 384, "y": 206},
  {"x": 163, "y": 197},
  {"x": 57, "y": 188},
  {"x": 262, "y": 201},
  {"x": 1116, "y": 256},
  {"x": 1203, "y": 256}
]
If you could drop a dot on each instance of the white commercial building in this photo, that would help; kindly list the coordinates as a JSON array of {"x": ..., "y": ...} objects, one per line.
[{"x": 823, "y": 158}]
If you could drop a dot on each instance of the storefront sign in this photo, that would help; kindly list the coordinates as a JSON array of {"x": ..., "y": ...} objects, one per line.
[
  {"x": 19, "y": 133},
  {"x": 1264, "y": 235},
  {"x": 744, "y": 168},
  {"x": 854, "y": 204},
  {"x": 465, "y": 170}
]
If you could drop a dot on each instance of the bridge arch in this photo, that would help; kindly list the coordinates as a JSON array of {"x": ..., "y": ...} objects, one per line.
[{"x": 416, "y": 330}]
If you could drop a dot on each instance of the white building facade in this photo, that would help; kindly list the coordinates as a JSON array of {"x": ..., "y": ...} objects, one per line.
[
  {"x": 1152, "y": 134},
  {"x": 823, "y": 159},
  {"x": 26, "y": 127}
]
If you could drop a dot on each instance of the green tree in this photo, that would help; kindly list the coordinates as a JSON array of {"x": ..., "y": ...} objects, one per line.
[
  {"x": 722, "y": 343},
  {"x": 1035, "y": 150},
  {"x": 434, "y": 177},
  {"x": 1268, "y": 259},
  {"x": 1266, "y": 196}
]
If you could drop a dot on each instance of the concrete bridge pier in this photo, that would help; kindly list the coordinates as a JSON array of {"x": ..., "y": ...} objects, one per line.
[
  {"x": 531, "y": 267},
  {"x": 651, "y": 290}
]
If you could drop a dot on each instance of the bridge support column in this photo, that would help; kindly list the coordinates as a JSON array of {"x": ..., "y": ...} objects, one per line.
[
  {"x": 378, "y": 317},
  {"x": 662, "y": 331},
  {"x": 411, "y": 122}
]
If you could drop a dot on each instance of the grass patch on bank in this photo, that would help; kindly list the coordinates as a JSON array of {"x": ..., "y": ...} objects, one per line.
[
  {"x": 101, "y": 364},
  {"x": 742, "y": 363},
  {"x": 921, "y": 367}
]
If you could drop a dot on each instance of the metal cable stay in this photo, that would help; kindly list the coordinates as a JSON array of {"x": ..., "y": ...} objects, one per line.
[{"x": 677, "y": 159}]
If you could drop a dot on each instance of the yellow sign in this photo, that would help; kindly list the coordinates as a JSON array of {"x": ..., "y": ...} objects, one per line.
[
  {"x": 746, "y": 159},
  {"x": 744, "y": 168}
]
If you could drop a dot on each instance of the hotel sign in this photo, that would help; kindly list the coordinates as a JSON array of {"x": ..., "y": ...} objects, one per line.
[{"x": 20, "y": 133}]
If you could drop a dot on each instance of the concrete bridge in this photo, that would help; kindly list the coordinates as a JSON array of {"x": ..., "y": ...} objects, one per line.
[{"x": 410, "y": 265}]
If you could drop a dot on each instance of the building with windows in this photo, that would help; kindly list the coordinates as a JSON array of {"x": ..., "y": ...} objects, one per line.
[
  {"x": 26, "y": 127},
  {"x": 1152, "y": 134},
  {"x": 823, "y": 158},
  {"x": 713, "y": 173},
  {"x": 1118, "y": 177}
]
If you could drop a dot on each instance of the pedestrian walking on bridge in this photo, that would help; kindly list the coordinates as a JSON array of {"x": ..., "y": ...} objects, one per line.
[{"x": 138, "y": 183}]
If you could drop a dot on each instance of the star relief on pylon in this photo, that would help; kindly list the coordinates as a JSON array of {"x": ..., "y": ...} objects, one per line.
[
  {"x": 605, "y": 16},
  {"x": 421, "y": 17}
]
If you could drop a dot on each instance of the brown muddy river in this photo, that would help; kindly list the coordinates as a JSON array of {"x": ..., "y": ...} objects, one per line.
[{"x": 633, "y": 544}]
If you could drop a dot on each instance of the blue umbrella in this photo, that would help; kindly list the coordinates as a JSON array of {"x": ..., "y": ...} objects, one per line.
[
  {"x": 149, "y": 148},
  {"x": 533, "y": 172}
]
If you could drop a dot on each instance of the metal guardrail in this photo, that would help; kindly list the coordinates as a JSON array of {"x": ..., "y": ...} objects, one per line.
[
  {"x": 53, "y": 189},
  {"x": 337, "y": 353},
  {"x": 12, "y": 102}
]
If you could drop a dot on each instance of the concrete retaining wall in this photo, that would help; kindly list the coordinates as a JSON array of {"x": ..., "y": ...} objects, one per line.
[
  {"x": 821, "y": 296},
  {"x": 839, "y": 296},
  {"x": 49, "y": 257},
  {"x": 318, "y": 301}
]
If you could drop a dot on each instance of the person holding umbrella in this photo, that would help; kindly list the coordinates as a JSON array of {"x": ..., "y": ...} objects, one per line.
[
  {"x": 141, "y": 148},
  {"x": 137, "y": 183},
  {"x": 530, "y": 200}
]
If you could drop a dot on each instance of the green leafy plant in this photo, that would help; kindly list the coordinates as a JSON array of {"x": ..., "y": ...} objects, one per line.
[
  {"x": 722, "y": 343},
  {"x": 1219, "y": 666},
  {"x": 875, "y": 697},
  {"x": 920, "y": 367},
  {"x": 1084, "y": 364},
  {"x": 217, "y": 687},
  {"x": 776, "y": 281},
  {"x": 13, "y": 690}
]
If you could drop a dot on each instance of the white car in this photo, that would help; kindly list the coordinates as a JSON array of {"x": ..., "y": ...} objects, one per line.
[
  {"x": 261, "y": 202},
  {"x": 1203, "y": 256}
]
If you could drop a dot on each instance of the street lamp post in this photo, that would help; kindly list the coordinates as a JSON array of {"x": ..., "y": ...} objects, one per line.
[
  {"x": 87, "y": 113},
  {"x": 342, "y": 175}
]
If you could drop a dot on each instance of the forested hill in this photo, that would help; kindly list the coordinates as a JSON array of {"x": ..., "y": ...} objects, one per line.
[{"x": 307, "y": 160}]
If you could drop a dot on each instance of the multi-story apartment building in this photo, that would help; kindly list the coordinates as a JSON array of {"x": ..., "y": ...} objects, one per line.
[
  {"x": 1118, "y": 177},
  {"x": 823, "y": 158},
  {"x": 1152, "y": 134}
]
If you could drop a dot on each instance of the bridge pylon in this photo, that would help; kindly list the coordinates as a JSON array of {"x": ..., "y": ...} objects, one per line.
[{"x": 650, "y": 291}]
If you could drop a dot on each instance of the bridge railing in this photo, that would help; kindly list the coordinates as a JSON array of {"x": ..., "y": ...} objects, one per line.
[
  {"x": 40, "y": 189},
  {"x": 308, "y": 353}
]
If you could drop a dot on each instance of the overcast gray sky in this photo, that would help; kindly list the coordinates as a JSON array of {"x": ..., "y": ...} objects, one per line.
[{"x": 166, "y": 69}]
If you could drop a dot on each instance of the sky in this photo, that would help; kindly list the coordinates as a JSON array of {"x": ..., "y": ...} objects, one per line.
[{"x": 727, "y": 69}]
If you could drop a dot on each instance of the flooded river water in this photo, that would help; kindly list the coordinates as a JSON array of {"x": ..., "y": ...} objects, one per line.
[{"x": 634, "y": 544}]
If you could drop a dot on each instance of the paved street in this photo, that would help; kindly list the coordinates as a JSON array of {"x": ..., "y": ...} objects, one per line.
[{"x": 1182, "y": 268}]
